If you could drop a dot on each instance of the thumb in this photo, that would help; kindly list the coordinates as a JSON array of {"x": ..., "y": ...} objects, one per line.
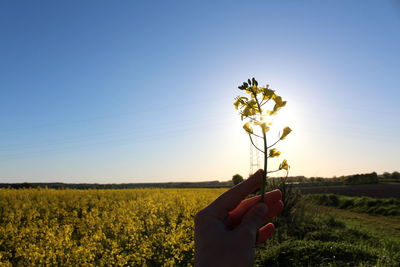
[{"x": 254, "y": 218}]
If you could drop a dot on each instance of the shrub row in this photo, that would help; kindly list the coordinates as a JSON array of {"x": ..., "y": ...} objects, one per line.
[{"x": 386, "y": 207}]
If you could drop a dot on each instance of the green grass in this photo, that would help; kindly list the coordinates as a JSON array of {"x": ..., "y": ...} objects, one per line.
[
  {"x": 386, "y": 207},
  {"x": 326, "y": 236},
  {"x": 318, "y": 253},
  {"x": 381, "y": 227}
]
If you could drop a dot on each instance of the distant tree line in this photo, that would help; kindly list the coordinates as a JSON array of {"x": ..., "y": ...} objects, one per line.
[
  {"x": 368, "y": 178},
  {"x": 209, "y": 184},
  {"x": 391, "y": 176}
]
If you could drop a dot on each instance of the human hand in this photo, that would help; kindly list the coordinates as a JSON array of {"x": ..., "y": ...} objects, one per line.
[{"x": 227, "y": 230}]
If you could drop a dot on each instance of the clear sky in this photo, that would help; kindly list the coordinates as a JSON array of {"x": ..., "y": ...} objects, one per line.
[{"x": 142, "y": 91}]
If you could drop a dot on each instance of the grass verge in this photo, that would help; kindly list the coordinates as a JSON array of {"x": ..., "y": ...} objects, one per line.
[
  {"x": 326, "y": 236},
  {"x": 386, "y": 207}
]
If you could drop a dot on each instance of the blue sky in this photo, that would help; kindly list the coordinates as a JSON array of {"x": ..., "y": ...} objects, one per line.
[{"x": 129, "y": 91}]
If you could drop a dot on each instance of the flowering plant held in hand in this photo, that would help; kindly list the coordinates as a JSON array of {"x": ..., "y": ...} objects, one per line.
[{"x": 254, "y": 112}]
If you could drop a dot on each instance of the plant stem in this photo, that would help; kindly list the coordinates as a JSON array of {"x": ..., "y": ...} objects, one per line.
[
  {"x": 251, "y": 140},
  {"x": 274, "y": 143},
  {"x": 264, "y": 178}
]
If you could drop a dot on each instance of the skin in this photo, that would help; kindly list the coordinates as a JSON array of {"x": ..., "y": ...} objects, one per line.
[{"x": 227, "y": 231}]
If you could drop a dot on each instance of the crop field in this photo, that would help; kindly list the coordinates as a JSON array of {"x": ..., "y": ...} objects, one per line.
[
  {"x": 154, "y": 227},
  {"x": 101, "y": 227}
]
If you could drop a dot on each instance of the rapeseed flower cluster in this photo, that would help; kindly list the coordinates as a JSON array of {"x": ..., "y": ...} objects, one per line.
[
  {"x": 132, "y": 227},
  {"x": 253, "y": 109}
]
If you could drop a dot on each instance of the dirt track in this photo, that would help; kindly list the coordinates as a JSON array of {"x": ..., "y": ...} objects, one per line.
[{"x": 374, "y": 190}]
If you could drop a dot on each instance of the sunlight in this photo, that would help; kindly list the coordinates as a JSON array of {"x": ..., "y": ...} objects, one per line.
[{"x": 285, "y": 117}]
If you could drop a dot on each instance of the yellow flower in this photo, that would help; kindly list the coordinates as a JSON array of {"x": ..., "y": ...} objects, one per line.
[
  {"x": 278, "y": 104},
  {"x": 247, "y": 127},
  {"x": 284, "y": 165},
  {"x": 240, "y": 101},
  {"x": 250, "y": 109},
  {"x": 278, "y": 101},
  {"x": 257, "y": 89},
  {"x": 267, "y": 93},
  {"x": 264, "y": 127},
  {"x": 286, "y": 131},
  {"x": 252, "y": 103},
  {"x": 272, "y": 112},
  {"x": 274, "y": 153},
  {"x": 236, "y": 104}
]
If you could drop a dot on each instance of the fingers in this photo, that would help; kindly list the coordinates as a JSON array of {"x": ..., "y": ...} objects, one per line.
[
  {"x": 254, "y": 219},
  {"x": 231, "y": 198},
  {"x": 270, "y": 198},
  {"x": 264, "y": 233},
  {"x": 274, "y": 211}
]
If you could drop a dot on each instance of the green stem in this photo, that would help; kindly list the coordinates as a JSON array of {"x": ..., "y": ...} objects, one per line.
[
  {"x": 274, "y": 143},
  {"x": 264, "y": 178},
  {"x": 251, "y": 140}
]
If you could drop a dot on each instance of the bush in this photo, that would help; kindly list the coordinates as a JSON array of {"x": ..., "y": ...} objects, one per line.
[
  {"x": 237, "y": 178},
  {"x": 393, "y": 212},
  {"x": 385, "y": 207},
  {"x": 291, "y": 198},
  {"x": 346, "y": 204},
  {"x": 333, "y": 200}
]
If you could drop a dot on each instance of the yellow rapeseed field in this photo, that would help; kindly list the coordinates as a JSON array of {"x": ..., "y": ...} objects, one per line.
[{"x": 132, "y": 227}]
